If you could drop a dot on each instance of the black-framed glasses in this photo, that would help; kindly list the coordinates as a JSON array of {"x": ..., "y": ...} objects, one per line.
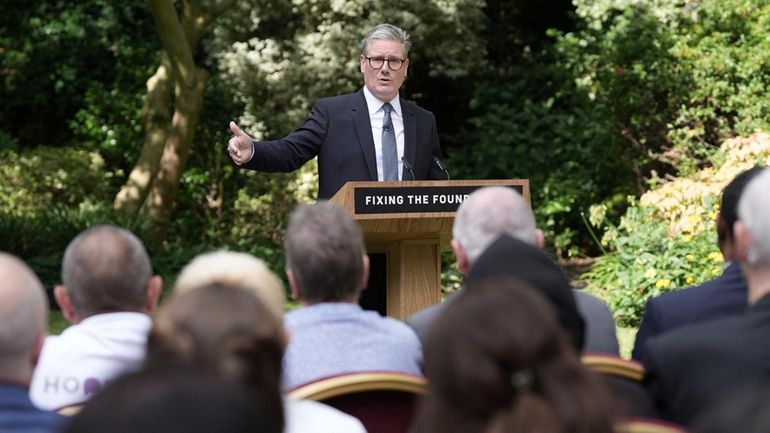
[{"x": 378, "y": 62}]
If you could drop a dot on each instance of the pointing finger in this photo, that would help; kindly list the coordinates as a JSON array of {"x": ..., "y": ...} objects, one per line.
[{"x": 238, "y": 132}]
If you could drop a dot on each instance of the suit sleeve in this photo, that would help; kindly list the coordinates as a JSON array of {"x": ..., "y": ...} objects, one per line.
[
  {"x": 653, "y": 382},
  {"x": 294, "y": 150},
  {"x": 647, "y": 329},
  {"x": 435, "y": 172}
]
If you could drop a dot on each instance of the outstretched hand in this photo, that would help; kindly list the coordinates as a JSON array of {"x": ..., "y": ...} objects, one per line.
[{"x": 239, "y": 146}]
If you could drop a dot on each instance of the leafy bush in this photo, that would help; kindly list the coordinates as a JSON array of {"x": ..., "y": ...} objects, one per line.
[
  {"x": 46, "y": 177},
  {"x": 639, "y": 88},
  {"x": 667, "y": 238},
  {"x": 39, "y": 236}
]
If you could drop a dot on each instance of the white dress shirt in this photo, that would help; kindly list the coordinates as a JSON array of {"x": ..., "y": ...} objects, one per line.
[{"x": 376, "y": 115}]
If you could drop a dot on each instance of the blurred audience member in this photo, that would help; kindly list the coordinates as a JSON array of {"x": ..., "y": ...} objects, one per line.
[
  {"x": 228, "y": 332},
  {"x": 330, "y": 333},
  {"x": 236, "y": 269},
  {"x": 714, "y": 299},
  {"x": 693, "y": 367},
  {"x": 23, "y": 327},
  {"x": 154, "y": 401},
  {"x": 744, "y": 410},
  {"x": 107, "y": 294},
  {"x": 499, "y": 361},
  {"x": 489, "y": 213}
]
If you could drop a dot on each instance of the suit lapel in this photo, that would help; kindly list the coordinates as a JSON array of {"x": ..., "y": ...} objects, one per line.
[
  {"x": 410, "y": 137},
  {"x": 363, "y": 128}
]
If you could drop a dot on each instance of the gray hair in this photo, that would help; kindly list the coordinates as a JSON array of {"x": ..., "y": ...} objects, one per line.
[
  {"x": 105, "y": 269},
  {"x": 489, "y": 213},
  {"x": 324, "y": 251},
  {"x": 387, "y": 32},
  {"x": 23, "y": 315},
  {"x": 228, "y": 268},
  {"x": 754, "y": 211}
]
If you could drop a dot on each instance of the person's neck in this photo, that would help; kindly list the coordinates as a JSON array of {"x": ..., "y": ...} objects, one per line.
[
  {"x": 757, "y": 280},
  {"x": 21, "y": 379}
]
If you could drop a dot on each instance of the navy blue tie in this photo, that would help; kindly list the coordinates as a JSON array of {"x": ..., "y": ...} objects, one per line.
[{"x": 389, "y": 152}]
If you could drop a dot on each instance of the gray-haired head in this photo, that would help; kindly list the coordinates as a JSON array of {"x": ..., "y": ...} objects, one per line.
[
  {"x": 388, "y": 32},
  {"x": 23, "y": 318},
  {"x": 489, "y": 213},
  {"x": 325, "y": 253},
  {"x": 106, "y": 269},
  {"x": 754, "y": 213}
]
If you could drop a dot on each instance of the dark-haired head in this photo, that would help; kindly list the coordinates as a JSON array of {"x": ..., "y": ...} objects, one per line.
[
  {"x": 728, "y": 210},
  {"x": 511, "y": 257},
  {"x": 223, "y": 331},
  {"x": 499, "y": 355}
]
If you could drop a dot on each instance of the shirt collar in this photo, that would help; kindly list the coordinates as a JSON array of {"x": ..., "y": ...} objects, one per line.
[{"x": 373, "y": 104}]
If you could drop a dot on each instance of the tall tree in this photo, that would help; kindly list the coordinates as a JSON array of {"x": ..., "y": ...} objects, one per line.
[{"x": 169, "y": 118}]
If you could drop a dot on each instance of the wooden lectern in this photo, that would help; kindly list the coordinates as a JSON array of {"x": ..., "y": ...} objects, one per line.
[{"x": 412, "y": 223}]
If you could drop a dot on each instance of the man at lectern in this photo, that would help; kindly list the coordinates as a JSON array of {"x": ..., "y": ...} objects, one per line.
[{"x": 369, "y": 135}]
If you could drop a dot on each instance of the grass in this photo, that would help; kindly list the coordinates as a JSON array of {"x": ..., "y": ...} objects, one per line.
[
  {"x": 56, "y": 322},
  {"x": 626, "y": 337}
]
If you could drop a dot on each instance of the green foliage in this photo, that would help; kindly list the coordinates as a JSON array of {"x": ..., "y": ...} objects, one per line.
[
  {"x": 55, "y": 53},
  {"x": 726, "y": 50},
  {"x": 47, "y": 177},
  {"x": 648, "y": 260},
  {"x": 40, "y": 235},
  {"x": 636, "y": 89},
  {"x": 667, "y": 238}
]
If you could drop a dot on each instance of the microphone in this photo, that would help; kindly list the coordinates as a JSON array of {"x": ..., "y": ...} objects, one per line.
[
  {"x": 441, "y": 165},
  {"x": 408, "y": 166}
]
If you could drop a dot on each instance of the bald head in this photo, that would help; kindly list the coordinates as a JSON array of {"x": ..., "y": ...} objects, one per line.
[
  {"x": 489, "y": 213},
  {"x": 106, "y": 269},
  {"x": 23, "y": 319},
  {"x": 233, "y": 269}
]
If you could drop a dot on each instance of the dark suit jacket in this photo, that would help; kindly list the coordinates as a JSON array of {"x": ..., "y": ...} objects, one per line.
[
  {"x": 720, "y": 297},
  {"x": 690, "y": 368},
  {"x": 339, "y": 132},
  {"x": 600, "y": 336}
]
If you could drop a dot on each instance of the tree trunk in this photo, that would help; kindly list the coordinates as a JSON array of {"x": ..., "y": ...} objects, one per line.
[
  {"x": 154, "y": 181},
  {"x": 156, "y": 117},
  {"x": 160, "y": 203}
]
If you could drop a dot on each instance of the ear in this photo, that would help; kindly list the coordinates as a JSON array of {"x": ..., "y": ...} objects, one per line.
[
  {"x": 295, "y": 292},
  {"x": 365, "y": 273},
  {"x": 539, "y": 238},
  {"x": 362, "y": 62},
  {"x": 462, "y": 259},
  {"x": 406, "y": 67},
  {"x": 62, "y": 297},
  {"x": 154, "y": 289},
  {"x": 741, "y": 241}
]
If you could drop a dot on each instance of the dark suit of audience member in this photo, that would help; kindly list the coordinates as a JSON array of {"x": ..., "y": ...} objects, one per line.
[
  {"x": 720, "y": 297},
  {"x": 714, "y": 299},
  {"x": 691, "y": 368}
]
